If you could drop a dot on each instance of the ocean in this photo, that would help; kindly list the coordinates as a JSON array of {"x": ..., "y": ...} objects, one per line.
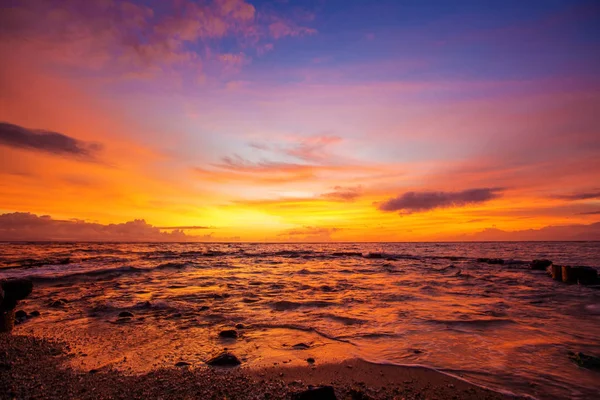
[{"x": 440, "y": 305}]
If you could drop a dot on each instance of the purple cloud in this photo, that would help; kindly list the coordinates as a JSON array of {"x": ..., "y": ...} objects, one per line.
[
  {"x": 411, "y": 202},
  {"x": 46, "y": 141},
  {"x": 579, "y": 196}
]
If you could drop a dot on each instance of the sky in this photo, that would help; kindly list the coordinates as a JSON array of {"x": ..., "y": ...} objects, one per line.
[{"x": 289, "y": 120}]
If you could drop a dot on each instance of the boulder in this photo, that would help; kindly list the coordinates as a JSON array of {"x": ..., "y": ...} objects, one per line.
[
  {"x": 34, "y": 313},
  {"x": 21, "y": 314},
  {"x": 310, "y": 360},
  {"x": 581, "y": 275},
  {"x": 228, "y": 334},
  {"x": 224, "y": 360},
  {"x": 14, "y": 290},
  {"x": 57, "y": 303},
  {"x": 556, "y": 272},
  {"x": 540, "y": 265},
  {"x": 585, "y": 360},
  {"x": 374, "y": 255},
  {"x": 183, "y": 364},
  {"x": 316, "y": 393},
  {"x": 125, "y": 314}
]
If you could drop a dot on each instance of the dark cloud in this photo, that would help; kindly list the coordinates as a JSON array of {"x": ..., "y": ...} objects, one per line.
[
  {"x": 341, "y": 193},
  {"x": 30, "y": 227},
  {"x": 411, "y": 202},
  {"x": 548, "y": 233},
  {"x": 184, "y": 228},
  {"x": 579, "y": 196},
  {"x": 45, "y": 141}
]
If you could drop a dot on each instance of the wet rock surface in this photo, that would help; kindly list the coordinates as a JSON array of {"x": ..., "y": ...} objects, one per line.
[
  {"x": 228, "y": 334},
  {"x": 224, "y": 360},
  {"x": 540, "y": 265},
  {"x": 585, "y": 360},
  {"x": 316, "y": 393}
]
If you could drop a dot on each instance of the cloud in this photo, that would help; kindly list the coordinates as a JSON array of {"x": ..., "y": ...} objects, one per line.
[
  {"x": 183, "y": 228},
  {"x": 341, "y": 193},
  {"x": 139, "y": 39},
  {"x": 579, "y": 196},
  {"x": 548, "y": 233},
  {"x": 309, "y": 233},
  {"x": 590, "y": 213},
  {"x": 30, "y": 227},
  {"x": 46, "y": 141},
  {"x": 312, "y": 148},
  {"x": 411, "y": 202}
]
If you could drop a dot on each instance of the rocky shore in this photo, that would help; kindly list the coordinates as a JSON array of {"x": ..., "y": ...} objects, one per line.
[{"x": 35, "y": 368}]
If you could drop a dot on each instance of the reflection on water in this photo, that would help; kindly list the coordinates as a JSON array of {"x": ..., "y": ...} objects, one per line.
[{"x": 503, "y": 326}]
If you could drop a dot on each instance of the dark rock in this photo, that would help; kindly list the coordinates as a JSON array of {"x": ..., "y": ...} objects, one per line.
[
  {"x": 316, "y": 393},
  {"x": 310, "y": 360},
  {"x": 34, "y": 313},
  {"x": 93, "y": 371},
  {"x": 239, "y": 326},
  {"x": 204, "y": 308},
  {"x": 124, "y": 314},
  {"x": 228, "y": 334},
  {"x": 20, "y": 314},
  {"x": 374, "y": 255},
  {"x": 14, "y": 290},
  {"x": 491, "y": 260},
  {"x": 585, "y": 360},
  {"x": 556, "y": 272},
  {"x": 224, "y": 360},
  {"x": 301, "y": 346},
  {"x": 582, "y": 275},
  {"x": 182, "y": 364},
  {"x": 57, "y": 303},
  {"x": 357, "y": 394},
  {"x": 540, "y": 265}
]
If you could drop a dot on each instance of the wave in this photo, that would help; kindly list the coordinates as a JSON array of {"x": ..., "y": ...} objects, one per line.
[{"x": 285, "y": 305}]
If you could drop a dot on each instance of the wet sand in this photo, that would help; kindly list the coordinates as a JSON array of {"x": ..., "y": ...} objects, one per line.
[{"x": 37, "y": 368}]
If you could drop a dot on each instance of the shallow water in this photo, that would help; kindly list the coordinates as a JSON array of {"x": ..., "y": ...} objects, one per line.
[{"x": 434, "y": 304}]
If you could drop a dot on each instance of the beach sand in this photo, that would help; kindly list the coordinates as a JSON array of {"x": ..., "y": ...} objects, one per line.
[{"x": 36, "y": 368}]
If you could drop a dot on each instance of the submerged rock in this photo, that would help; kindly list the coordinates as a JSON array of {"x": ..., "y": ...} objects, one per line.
[
  {"x": 491, "y": 260},
  {"x": 585, "y": 360},
  {"x": 224, "y": 360},
  {"x": 374, "y": 255},
  {"x": 57, "y": 303},
  {"x": 183, "y": 364},
  {"x": 316, "y": 393},
  {"x": 240, "y": 326},
  {"x": 125, "y": 314},
  {"x": 228, "y": 334},
  {"x": 34, "y": 313},
  {"x": 301, "y": 346},
  {"x": 310, "y": 360},
  {"x": 540, "y": 265}
]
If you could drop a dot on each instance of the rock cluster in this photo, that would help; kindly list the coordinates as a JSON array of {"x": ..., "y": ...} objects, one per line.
[{"x": 11, "y": 292}]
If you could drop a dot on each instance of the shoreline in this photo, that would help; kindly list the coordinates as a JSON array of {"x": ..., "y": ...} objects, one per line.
[{"x": 33, "y": 367}]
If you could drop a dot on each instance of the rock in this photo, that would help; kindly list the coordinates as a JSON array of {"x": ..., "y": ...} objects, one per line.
[
  {"x": 491, "y": 260},
  {"x": 17, "y": 288},
  {"x": 316, "y": 393},
  {"x": 239, "y": 326},
  {"x": 357, "y": 394},
  {"x": 34, "y": 313},
  {"x": 581, "y": 275},
  {"x": 21, "y": 315},
  {"x": 228, "y": 334},
  {"x": 301, "y": 346},
  {"x": 57, "y": 303},
  {"x": 374, "y": 255},
  {"x": 183, "y": 364},
  {"x": 540, "y": 265},
  {"x": 124, "y": 314},
  {"x": 556, "y": 272},
  {"x": 224, "y": 360},
  {"x": 585, "y": 360},
  {"x": 7, "y": 320},
  {"x": 14, "y": 290},
  {"x": 310, "y": 360}
]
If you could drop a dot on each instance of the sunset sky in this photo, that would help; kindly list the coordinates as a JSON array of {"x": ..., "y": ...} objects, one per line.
[{"x": 292, "y": 120}]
